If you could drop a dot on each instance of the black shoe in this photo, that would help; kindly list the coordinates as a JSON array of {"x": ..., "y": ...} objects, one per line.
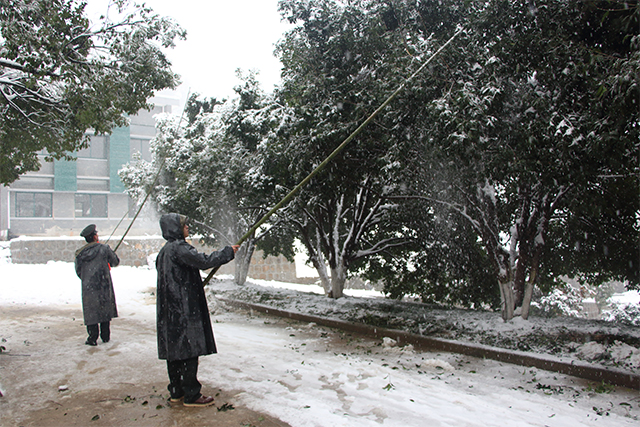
[
  {"x": 89, "y": 342},
  {"x": 105, "y": 341}
]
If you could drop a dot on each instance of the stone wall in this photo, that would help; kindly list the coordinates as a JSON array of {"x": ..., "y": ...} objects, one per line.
[
  {"x": 140, "y": 251},
  {"x": 272, "y": 268}
]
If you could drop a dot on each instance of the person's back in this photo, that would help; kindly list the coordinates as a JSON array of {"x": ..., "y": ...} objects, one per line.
[{"x": 93, "y": 263}]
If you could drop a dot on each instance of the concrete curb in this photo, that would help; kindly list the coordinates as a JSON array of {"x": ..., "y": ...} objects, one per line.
[{"x": 583, "y": 370}]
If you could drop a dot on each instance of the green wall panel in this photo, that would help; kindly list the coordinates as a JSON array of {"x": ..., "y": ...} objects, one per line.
[{"x": 64, "y": 175}]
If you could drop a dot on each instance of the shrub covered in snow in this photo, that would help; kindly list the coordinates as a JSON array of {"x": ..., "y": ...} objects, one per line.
[
  {"x": 564, "y": 300},
  {"x": 627, "y": 313}
]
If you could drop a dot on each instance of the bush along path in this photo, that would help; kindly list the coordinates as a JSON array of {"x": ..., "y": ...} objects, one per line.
[{"x": 595, "y": 350}]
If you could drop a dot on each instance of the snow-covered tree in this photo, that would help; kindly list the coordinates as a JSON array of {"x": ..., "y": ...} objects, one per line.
[
  {"x": 563, "y": 300},
  {"x": 334, "y": 77},
  {"x": 61, "y": 74},
  {"x": 538, "y": 107},
  {"x": 211, "y": 168},
  {"x": 625, "y": 313}
]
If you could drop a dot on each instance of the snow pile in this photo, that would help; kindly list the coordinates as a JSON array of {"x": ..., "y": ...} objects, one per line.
[
  {"x": 620, "y": 354},
  {"x": 625, "y": 355},
  {"x": 390, "y": 346},
  {"x": 591, "y": 351},
  {"x": 388, "y": 342},
  {"x": 437, "y": 365}
]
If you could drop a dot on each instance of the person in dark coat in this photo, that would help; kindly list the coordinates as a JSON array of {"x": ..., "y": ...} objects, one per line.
[
  {"x": 93, "y": 266},
  {"x": 183, "y": 322}
]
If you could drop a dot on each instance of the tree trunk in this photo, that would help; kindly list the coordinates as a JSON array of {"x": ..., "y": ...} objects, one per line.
[
  {"x": 243, "y": 261},
  {"x": 533, "y": 276},
  {"x": 501, "y": 262},
  {"x": 317, "y": 259},
  {"x": 508, "y": 299},
  {"x": 520, "y": 276},
  {"x": 338, "y": 279},
  {"x": 528, "y": 293},
  {"x": 314, "y": 249},
  {"x": 321, "y": 268}
]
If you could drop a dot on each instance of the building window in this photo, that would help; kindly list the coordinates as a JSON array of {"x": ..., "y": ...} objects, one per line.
[
  {"x": 141, "y": 146},
  {"x": 91, "y": 205},
  {"x": 33, "y": 205},
  {"x": 97, "y": 148}
]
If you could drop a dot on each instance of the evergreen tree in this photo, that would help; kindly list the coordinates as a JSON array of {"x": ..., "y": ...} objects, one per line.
[
  {"x": 536, "y": 112},
  {"x": 334, "y": 76},
  {"x": 211, "y": 168},
  {"x": 62, "y": 75}
]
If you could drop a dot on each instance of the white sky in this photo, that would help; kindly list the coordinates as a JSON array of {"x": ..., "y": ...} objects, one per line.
[{"x": 222, "y": 36}]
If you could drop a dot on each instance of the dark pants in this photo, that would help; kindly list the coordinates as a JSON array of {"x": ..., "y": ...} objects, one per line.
[
  {"x": 104, "y": 331},
  {"x": 183, "y": 379}
]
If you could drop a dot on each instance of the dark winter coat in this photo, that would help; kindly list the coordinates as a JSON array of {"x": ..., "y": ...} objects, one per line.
[
  {"x": 93, "y": 264},
  {"x": 183, "y": 322}
]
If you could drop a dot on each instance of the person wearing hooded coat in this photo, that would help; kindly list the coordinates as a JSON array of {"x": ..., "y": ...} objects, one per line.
[
  {"x": 183, "y": 322},
  {"x": 93, "y": 264}
]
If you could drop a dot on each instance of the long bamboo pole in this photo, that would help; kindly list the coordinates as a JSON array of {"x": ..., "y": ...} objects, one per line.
[
  {"x": 142, "y": 205},
  {"x": 335, "y": 152},
  {"x": 155, "y": 180}
]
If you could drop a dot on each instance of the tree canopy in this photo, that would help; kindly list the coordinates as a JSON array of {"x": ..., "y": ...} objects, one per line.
[
  {"x": 510, "y": 162},
  {"x": 533, "y": 112},
  {"x": 537, "y": 117},
  {"x": 62, "y": 75},
  {"x": 211, "y": 168}
]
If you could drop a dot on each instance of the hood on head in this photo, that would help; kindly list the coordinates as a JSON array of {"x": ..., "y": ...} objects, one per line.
[
  {"x": 88, "y": 251},
  {"x": 171, "y": 227}
]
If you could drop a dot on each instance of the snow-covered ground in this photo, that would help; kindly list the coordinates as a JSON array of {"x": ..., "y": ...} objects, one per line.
[
  {"x": 614, "y": 345},
  {"x": 306, "y": 375}
]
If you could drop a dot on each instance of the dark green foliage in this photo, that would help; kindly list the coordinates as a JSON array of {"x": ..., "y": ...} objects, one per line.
[
  {"x": 598, "y": 235},
  {"x": 533, "y": 114},
  {"x": 509, "y": 162},
  {"x": 64, "y": 76},
  {"x": 335, "y": 75},
  {"x": 444, "y": 264}
]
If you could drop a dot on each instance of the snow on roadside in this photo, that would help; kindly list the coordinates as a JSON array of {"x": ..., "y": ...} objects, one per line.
[
  {"x": 562, "y": 337},
  {"x": 5, "y": 252},
  {"x": 56, "y": 283}
]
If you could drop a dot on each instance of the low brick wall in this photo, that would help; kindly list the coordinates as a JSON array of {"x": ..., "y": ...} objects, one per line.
[
  {"x": 133, "y": 251},
  {"x": 42, "y": 251},
  {"x": 136, "y": 251}
]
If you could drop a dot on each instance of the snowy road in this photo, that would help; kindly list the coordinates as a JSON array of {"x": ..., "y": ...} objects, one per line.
[{"x": 302, "y": 374}]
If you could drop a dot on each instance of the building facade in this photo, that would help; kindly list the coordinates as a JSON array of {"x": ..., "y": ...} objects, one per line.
[{"x": 64, "y": 196}]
